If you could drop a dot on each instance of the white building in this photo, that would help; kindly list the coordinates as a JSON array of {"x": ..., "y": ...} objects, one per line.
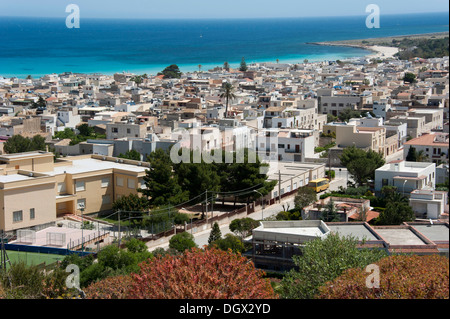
[
  {"x": 406, "y": 176},
  {"x": 428, "y": 203}
]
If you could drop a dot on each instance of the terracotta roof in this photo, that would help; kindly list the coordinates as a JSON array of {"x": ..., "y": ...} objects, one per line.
[
  {"x": 426, "y": 140},
  {"x": 370, "y": 215}
]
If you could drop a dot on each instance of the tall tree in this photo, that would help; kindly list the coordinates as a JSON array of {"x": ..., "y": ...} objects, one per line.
[
  {"x": 196, "y": 178},
  {"x": 215, "y": 233},
  {"x": 227, "y": 92},
  {"x": 361, "y": 164},
  {"x": 329, "y": 214},
  {"x": 243, "y": 67},
  {"x": 305, "y": 196},
  {"x": 412, "y": 155},
  {"x": 161, "y": 183},
  {"x": 171, "y": 72}
]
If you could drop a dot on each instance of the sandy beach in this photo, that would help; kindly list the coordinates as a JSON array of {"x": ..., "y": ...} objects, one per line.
[{"x": 382, "y": 47}]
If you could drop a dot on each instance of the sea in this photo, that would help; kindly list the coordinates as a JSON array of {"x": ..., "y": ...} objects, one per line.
[{"x": 39, "y": 46}]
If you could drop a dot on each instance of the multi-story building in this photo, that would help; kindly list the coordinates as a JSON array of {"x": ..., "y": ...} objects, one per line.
[
  {"x": 433, "y": 145},
  {"x": 406, "y": 176},
  {"x": 35, "y": 190}
]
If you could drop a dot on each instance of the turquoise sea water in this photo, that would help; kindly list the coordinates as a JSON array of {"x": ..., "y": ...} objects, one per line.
[{"x": 38, "y": 46}]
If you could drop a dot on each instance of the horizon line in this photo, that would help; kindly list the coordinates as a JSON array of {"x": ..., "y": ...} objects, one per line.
[{"x": 224, "y": 18}]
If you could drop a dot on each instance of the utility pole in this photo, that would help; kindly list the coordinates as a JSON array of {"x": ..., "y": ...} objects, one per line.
[
  {"x": 119, "y": 226},
  {"x": 279, "y": 186},
  {"x": 206, "y": 206}
]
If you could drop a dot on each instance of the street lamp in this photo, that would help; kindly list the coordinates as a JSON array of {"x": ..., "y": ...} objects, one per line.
[
  {"x": 404, "y": 182},
  {"x": 262, "y": 203}
]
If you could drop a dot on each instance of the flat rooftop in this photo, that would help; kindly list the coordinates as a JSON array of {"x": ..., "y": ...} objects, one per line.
[
  {"x": 433, "y": 232},
  {"x": 291, "y": 231},
  {"x": 358, "y": 231},
  {"x": 14, "y": 178},
  {"x": 399, "y": 236},
  {"x": 90, "y": 165}
]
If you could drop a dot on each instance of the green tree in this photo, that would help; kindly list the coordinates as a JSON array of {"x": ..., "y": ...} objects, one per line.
[
  {"x": 305, "y": 196},
  {"x": 37, "y": 143},
  {"x": 409, "y": 77},
  {"x": 361, "y": 164},
  {"x": 323, "y": 260},
  {"x": 245, "y": 173},
  {"x": 243, "y": 67},
  {"x": 329, "y": 214},
  {"x": 226, "y": 66},
  {"x": 215, "y": 233},
  {"x": 171, "y": 72},
  {"x": 132, "y": 155},
  {"x": 181, "y": 242},
  {"x": 40, "y": 103},
  {"x": 227, "y": 92},
  {"x": 243, "y": 227},
  {"x": 162, "y": 187},
  {"x": 395, "y": 214},
  {"x": 229, "y": 241},
  {"x": 412, "y": 155},
  {"x": 196, "y": 178},
  {"x": 20, "y": 144},
  {"x": 131, "y": 207},
  {"x": 85, "y": 129}
]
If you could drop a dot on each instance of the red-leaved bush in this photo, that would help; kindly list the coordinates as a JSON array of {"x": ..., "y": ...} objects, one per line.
[
  {"x": 401, "y": 277},
  {"x": 109, "y": 288},
  {"x": 200, "y": 274}
]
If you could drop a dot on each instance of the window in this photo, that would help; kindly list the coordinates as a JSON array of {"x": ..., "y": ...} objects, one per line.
[
  {"x": 384, "y": 182},
  {"x": 119, "y": 181},
  {"x": 114, "y": 130},
  {"x": 130, "y": 183},
  {"x": 17, "y": 216},
  {"x": 105, "y": 182},
  {"x": 80, "y": 186},
  {"x": 32, "y": 215}
]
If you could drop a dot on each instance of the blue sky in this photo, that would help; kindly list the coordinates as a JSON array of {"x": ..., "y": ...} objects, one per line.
[{"x": 198, "y": 9}]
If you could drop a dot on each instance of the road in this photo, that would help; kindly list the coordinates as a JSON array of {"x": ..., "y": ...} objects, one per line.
[{"x": 201, "y": 238}]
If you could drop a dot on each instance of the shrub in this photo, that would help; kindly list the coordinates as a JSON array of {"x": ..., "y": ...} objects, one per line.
[
  {"x": 181, "y": 242},
  {"x": 109, "y": 288},
  {"x": 200, "y": 274},
  {"x": 401, "y": 277},
  {"x": 323, "y": 260}
]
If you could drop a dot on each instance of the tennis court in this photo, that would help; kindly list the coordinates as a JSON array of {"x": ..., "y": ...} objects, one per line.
[{"x": 32, "y": 258}]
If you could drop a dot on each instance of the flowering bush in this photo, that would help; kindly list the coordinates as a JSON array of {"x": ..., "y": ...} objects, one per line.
[
  {"x": 200, "y": 274},
  {"x": 401, "y": 277}
]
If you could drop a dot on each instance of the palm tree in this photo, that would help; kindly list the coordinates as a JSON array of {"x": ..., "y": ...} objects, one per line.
[
  {"x": 199, "y": 67},
  {"x": 228, "y": 93},
  {"x": 421, "y": 156}
]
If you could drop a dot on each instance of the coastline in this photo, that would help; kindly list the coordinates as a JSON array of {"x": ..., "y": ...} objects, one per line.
[{"x": 379, "y": 46}]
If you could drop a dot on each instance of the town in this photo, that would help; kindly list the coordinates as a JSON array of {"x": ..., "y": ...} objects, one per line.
[{"x": 261, "y": 159}]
